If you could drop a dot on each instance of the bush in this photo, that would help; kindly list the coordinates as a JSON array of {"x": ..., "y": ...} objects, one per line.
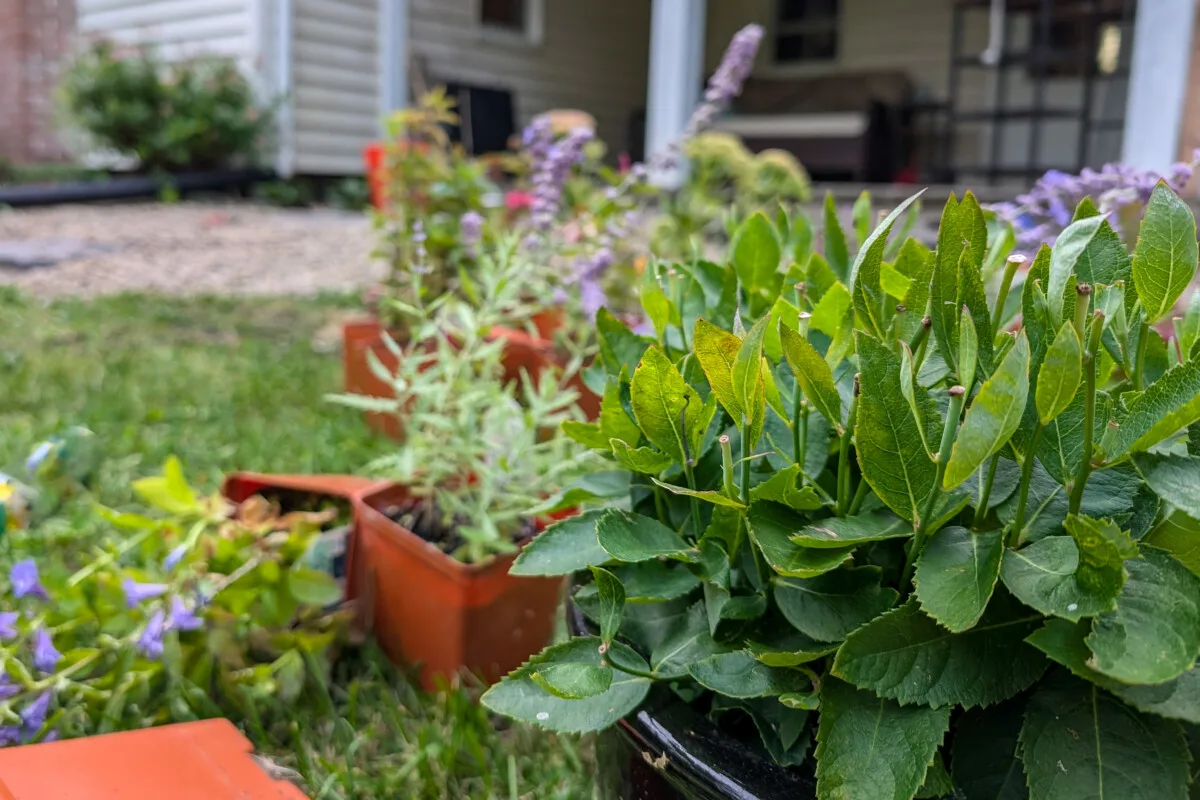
[{"x": 195, "y": 114}]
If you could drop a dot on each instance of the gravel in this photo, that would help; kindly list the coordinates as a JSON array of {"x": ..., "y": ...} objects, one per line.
[{"x": 190, "y": 248}]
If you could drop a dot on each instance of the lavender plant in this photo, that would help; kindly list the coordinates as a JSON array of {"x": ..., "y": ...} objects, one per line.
[
  {"x": 191, "y": 615},
  {"x": 846, "y": 504}
]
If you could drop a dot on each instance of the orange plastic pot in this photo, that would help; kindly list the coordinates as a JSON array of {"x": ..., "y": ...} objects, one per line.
[
  {"x": 206, "y": 760},
  {"x": 426, "y": 608},
  {"x": 522, "y": 352}
]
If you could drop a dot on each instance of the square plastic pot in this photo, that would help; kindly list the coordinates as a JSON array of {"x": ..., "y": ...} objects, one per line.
[
  {"x": 207, "y": 760},
  {"x": 427, "y": 608}
]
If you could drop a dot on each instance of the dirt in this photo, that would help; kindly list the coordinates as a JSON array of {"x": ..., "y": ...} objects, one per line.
[
  {"x": 191, "y": 248},
  {"x": 425, "y": 520}
]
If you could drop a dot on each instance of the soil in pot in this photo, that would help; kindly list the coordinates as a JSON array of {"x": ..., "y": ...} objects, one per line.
[{"x": 425, "y": 520}]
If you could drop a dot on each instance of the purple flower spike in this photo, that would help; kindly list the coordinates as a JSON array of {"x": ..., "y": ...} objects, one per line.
[
  {"x": 7, "y": 687},
  {"x": 137, "y": 593},
  {"x": 10, "y": 735},
  {"x": 8, "y": 624},
  {"x": 470, "y": 229},
  {"x": 24, "y": 578},
  {"x": 33, "y": 717},
  {"x": 151, "y": 640},
  {"x": 182, "y": 617},
  {"x": 45, "y": 654},
  {"x": 174, "y": 557}
]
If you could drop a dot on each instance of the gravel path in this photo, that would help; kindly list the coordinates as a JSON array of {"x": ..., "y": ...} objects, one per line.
[{"x": 191, "y": 248}]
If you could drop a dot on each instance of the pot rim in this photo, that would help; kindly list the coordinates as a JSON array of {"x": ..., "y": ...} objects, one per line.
[{"x": 702, "y": 759}]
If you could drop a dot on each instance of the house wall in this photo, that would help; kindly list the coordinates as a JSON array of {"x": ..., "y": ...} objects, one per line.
[
  {"x": 179, "y": 27},
  {"x": 593, "y": 56},
  {"x": 335, "y": 84},
  {"x": 914, "y": 36}
]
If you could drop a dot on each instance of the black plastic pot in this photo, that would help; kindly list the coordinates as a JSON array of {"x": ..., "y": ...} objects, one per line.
[
  {"x": 667, "y": 751},
  {"x": 129, "y": 187}
]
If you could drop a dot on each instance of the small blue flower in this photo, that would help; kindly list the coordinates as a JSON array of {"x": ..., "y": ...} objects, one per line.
[
  {"x": 7, "y": 687},
  {"x": 33, "y": 717},
  {"x": 151, "y": 640},
  {"x": 38, "y": 456},
  {"x": 137, "y": 593},
  {"x": 174, "y": 557},
  {"x": 24, "y": 578},
  {"x": 45, "y": 654},
  {"x": 182, "y": 617},
  {"x": 8, "y": 624}
]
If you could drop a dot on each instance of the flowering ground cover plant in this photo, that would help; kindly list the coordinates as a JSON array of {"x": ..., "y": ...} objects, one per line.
[
  {"x": 175, "y": 618},
  {"x": 929, "y": 546}
]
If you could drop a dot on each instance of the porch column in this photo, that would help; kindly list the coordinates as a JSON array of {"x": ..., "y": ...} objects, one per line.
[
  {"x": 393, "y": 56},
  {"x": 1158, "y": 83},
  {"x": 675, "y": 75}
]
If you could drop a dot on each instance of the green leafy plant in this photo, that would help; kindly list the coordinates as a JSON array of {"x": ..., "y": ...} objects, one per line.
[
  {"x": 481, "y": 446},
  {"x": 193, "y": 114},
  {"x": 867, "y": 504}
]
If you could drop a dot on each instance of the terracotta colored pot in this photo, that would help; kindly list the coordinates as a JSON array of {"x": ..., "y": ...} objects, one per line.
[
  {"x": 207, "y": 760},
  {"x": 427, "y": 608},
  {"x": 521, "y": 352}
]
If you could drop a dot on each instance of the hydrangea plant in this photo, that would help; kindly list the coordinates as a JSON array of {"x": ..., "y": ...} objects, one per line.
[{"x": 931, "y": 547}]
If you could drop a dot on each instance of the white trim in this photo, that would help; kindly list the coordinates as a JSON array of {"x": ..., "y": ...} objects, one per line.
[
  {"x": 848, "y": 124},
  {"x": 534, "y": 34},
  {"x": 1158, "y": 78},
  {"x": 285, "y": 158},
  {"x": 393, "y": 57},
  {"x": 674, "y": 77}
]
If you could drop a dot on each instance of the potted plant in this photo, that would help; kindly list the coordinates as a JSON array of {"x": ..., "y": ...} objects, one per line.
[
  {"x": 916, "y": 545},
  {"x": 478, "y": 453}
]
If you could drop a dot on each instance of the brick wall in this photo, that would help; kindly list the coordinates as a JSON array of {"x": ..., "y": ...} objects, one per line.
[{"x": 35, "y": 37}]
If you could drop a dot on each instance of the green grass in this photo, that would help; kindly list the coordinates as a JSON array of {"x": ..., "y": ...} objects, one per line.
[{"x": 231, "y": 384}]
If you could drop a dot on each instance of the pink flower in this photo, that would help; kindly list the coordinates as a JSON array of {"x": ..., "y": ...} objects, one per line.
[{"x": 517, "y": 200}]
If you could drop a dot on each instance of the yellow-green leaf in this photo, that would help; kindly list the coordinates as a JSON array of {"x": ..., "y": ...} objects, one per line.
[
  {"x": 1164, "y": 262},
  {"x": 1060, "y": 374},
  {"x": 814, "y": 376},
  {"x": 639, "y": 459},
  {"x": 667, "y": 409},
  {"x": 717, "y": 351},
  {"x": 993, "y": 416}
]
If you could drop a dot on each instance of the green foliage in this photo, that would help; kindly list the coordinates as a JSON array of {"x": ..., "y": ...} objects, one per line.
[
  {"x": 985, "y": 559},
  {"x": 186, "y": 115}
]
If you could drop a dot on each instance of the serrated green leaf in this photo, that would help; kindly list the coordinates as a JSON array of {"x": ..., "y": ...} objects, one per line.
[
  {"x": 1179, "y": 535},
  {"x": 1174, "y": 478},
  {"x": 993, "y": 416},
  {"x": 771, "y": 525},
  {"x": 781, "y": 488},
  {"x": 1164, "y": 261},
  {"x": 915, "y": 261},
  {"x": 587, "y": 434},
  {"x": 717, "y": 351},
  {"x": 313, "y": 587},
  {"x": 814, "y": 376},
  {"x": 860, "y": 216},
  {"x": 1109, "y": 492},
  {"x": 739, "y": 674},
  {"x": 869, "y": 300},
  {"x": 1065, "y": 643},
  {"x": 1046, "y": 575},
  {"x": 869, "y": 748},
  {"x": 1060, "y": 374},
  {"x": 655, "y": 581},
  {"x": 749, "y": 382},
  {"x": 788, "y": 648},
  {"x": 756, "y": 253},
  {"x": 905, "y": 655},
  {"x": 1079, "y": 743},
  {"x": 1188, "y": 328},
  {"x": 961, "y": 247},
  {"x": 517, "y": 696},
  {"x": 829, "y": 607},
  {"x": 837, "y": 254},
  {"x": 1154, "y": 633},
  {"x": 589, "y": 488},
  {"x": 937, "y": 781},
  {"x": 1169, "y": 405},
  {"x": 573, "y": 681},
  {"x": 563, "y": 548},
  {"x": 894, "y": 282},
  {"x": 716, "y": 498},
  {"x": 633, "y": 537},
  {"x": 615, "y": 422},
  {"x": 781, "y": 728},
  {"x": 644, "y": 460},
  {"x": 908, "y": 388},
  {"x": 620, "y": 348},
  {"x": 956, "y": 575},
  {"x": 888, "y": 441},
  {"x": 669, "y": 412},
  {"x": 612, "y": 602},
  {"x": 831, "y": 310},
  {"x": 1176, "y": 699},
  {"x": 688, "y": 640},
  {"x": 968, "y": 351},
  {"x": 986, "y": 762},
  {"x": 1064, "y": 258},
  {"x": 839, "y": 532}
]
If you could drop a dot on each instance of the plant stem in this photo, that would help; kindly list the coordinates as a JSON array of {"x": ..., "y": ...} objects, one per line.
[
  {"x": 659, "y": 508},
  {"x": 982, "y": 508},
  {"x": 1010, "y": 270},
  {"x": 1083, "y": 299},
  {"x": 109, "y": 558},
  {"x": 799, "y": 429},
  {"x": 843, "y": 478},
  {"x": 860, "y": 494},
  {"x": 695, "y": 504},
  {"x": 949, "y": 431},
  {"x": 727, "y": 466},
  {"x": 918, "y": 339},
  {"x": 1016, "y": 536},
  {"x": 1143, "y": 338},
  {"x": 631, "y": 670},
  {"x": 747, "y": 450},
  {"x": 1089, "y": 409}
]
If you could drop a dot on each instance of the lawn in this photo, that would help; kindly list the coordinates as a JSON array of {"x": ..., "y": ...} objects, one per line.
[{"x": 230, "y": 384}]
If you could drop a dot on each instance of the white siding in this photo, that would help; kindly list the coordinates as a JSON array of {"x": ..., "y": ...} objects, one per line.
[
  {"x": 179, "y": 27},
  {"x": 592, "y": 56},
  {"x": 335, "y": 84}
]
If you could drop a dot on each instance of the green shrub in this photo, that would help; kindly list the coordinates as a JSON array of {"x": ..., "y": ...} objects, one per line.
[{"x": 194, "y": 114}]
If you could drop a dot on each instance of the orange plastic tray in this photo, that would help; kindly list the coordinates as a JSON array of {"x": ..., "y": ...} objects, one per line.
[{"x": 208, "y": 760}]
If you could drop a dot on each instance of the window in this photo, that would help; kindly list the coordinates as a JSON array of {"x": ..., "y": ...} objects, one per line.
[
  {"x": 806, "y": 30},
  {"x": 1082, "y": 39},
  {"x": 506, "y": 15}
]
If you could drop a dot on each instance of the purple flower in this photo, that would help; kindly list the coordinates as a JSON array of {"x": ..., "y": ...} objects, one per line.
[
  {"x": 7, "y": 687},
  {"x": 33, "y": 717},
  {"x": 8, "y": 624},
  {"x": 10, "y": 735},
  {"x": 182, "y": 618},
  {"x": 551, "y": 162},
  {"x": 470, "y": 229},
  {"x": 726, "y": 83},
  {"x": 137, "y": 593},
  {"x": 591, "y": 297},
  {"x": 174, "y": 557},
  {"x": 24, "y": 578},
  {"x": 45, "y": 655},
  {"x": 151, "y": 640}
]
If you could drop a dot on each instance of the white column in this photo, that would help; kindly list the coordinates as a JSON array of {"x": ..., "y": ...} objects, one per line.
[
  {"x": 675, "y": 75},
  {"x": 393, "y": 56},
  {"x": 285, "y": 157},
  {"x": 1162, "y": 48}
]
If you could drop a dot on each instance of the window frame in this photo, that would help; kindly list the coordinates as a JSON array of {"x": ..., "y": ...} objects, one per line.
[
  {"x": 781, "y": 27},
  {"x": 532, "y": 36}
]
